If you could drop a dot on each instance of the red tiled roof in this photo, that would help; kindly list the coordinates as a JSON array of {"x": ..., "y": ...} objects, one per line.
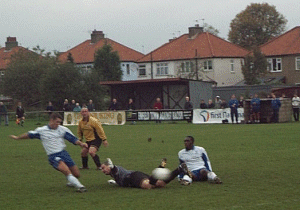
[
  {"x": 285, "y": 44},
  {"x": 206, "y": 44},
  {"x": 84, "y": 52},
  {"x": 6, "y": 55}
]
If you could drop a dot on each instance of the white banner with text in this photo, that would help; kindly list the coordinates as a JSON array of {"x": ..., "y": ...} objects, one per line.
[
  {"x": 215, "y": 115},
  {"x": 108, "y": 118}
]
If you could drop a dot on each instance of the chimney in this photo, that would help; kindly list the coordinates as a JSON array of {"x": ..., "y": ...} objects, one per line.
[
  {"x": 96, "y": 36},
  {"x": 11, "y": 43},
  {"x": 195, "y": 30}
]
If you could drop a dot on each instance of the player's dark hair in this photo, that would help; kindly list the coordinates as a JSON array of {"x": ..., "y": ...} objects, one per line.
[
  {"x": 55, "y": 115},
  {"x": 192, "y": 138}
]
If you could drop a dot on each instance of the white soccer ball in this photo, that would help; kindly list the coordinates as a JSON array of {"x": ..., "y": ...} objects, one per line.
[{"x": 161, "y": 173}]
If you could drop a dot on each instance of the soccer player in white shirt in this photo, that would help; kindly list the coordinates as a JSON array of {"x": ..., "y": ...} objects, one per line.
[
  {"x": 52, "y": 138},
  {"x": 197, "y": 162}
]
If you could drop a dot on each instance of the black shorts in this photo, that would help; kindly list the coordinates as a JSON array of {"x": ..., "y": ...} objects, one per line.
[
  {"x": 94, "y": 143},
  {"x": 136, "y": 178}
]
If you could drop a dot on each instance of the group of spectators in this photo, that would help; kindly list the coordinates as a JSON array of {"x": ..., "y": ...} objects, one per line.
[
  {"x": 73, "y": 106},
  {"x": 20, "y": 114},
  {"x": 254, "y": 115}
]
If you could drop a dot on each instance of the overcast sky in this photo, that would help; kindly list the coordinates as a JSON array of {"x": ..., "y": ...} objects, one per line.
[{"x": 142, "y": 25}]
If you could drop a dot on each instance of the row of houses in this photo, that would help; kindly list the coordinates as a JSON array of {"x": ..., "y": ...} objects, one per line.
[{"x": 196, "y": 55}]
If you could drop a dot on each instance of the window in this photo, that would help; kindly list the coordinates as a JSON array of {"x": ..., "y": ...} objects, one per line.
[
  {"x": 231, "y": 66},
  {"x": 274, "y": 65},
  {"x": 162, "y": 69},
  {"x": 298, "y": 63},
  {"x": 186, "y": 66},
  {"x": 128, "y": 69},
  {"x": 207, "y": 65},
  {"x": 86, "y": 68},
  {"x": 142, "y": 70}
]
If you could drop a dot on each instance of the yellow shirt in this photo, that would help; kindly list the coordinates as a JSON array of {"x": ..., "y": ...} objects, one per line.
[{"x": 90, "y": 130}]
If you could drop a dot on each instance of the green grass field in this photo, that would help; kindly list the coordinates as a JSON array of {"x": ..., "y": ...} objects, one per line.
[{"x": 258, "y": 164}]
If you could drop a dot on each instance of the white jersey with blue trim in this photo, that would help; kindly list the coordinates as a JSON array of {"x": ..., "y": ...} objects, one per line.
[
  {"x": 53, "y": 139},
  {"x": 195, "y": 158}
]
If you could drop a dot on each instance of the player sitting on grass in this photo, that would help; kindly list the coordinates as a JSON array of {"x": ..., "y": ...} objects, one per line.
[
  {"x": 197, "y": 162},
  {"x": 137, "y": 179},
  {"x": 52, "y": 137}
]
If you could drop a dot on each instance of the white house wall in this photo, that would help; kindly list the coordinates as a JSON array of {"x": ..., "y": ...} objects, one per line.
[
  {"x": 133, "y": 67},
  {"x": 221, "y": 72}
]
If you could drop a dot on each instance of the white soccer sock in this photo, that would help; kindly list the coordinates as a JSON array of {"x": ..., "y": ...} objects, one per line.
[
  {"x": 211, "y": 176},
  {"x": 74, "y": 181}
]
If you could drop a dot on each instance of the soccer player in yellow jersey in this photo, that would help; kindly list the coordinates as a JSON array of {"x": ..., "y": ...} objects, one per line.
[{"x": 91, "y": 129}]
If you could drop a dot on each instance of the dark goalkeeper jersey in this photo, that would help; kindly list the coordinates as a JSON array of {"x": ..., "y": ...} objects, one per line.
[{"x": 121, "y": 176}]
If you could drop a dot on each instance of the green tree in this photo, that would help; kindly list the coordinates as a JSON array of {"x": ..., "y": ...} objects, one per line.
[
  {"x": 210, "y": 29},
  {"x": 256, "y": 25},
  {"x": 61, "y": 81},
  {"x": 107, "y": 64},
  {"x": 254, "y": 67},
  {"x": 23, "y": 74}
]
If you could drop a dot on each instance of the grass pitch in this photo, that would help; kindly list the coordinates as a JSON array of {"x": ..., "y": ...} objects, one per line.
[{"x": 258, "y": 164}]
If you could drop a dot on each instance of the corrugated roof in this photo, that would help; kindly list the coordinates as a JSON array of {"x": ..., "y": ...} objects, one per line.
[
  {"x": 285, "y": 44},
  {"x": 207, "y": 46},
  {"x": 84, "y": 52}
]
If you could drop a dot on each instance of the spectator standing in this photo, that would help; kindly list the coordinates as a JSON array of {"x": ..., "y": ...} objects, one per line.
[
  {"x": 188, "y": 106},
  {"x": 130, "y": 105},
  {"x": 203, "y": 104},
  {"x": 91, "y": 106},
  {"x": 73, "y": 105},
  {"x": 255, "y": 109},
  {"x": 158, "y": 105},
  {"x": 210, "y": 105},
  {"x": 66, "y": 106},
  {"x": 233, "y": 105},
  {"x": 296, "y": 105},
  {"x": 3, "y": 112},
  {"x": 77, "y": 108},
  {"x": 218, "y": 102},
  {"x": 241, "y": 102},
  {"x": 114, "y": 106},
  {"x": 275, "y": 104},
  {"x": 20, "y": 114},
  {"x": 224, "y": 104},
  {"x": 50, "y": 108}
]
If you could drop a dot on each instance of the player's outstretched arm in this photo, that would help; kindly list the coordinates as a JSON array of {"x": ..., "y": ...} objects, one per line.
[
  {"x": 80, "y": 143},
  {"x": 23, "y": 136}
]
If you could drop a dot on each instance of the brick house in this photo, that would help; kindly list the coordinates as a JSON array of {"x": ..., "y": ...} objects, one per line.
[
  {"x": 11, "y": 47},
  {"x": 197, "y": 55},
  {"x": 83, "y": 54},
  {"x": 283, "y": 55}
]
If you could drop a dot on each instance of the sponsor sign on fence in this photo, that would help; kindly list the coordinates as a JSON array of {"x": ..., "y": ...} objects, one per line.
[
  {"x": 215, "y": 115},
  {"x": 162, "y": 115},
  {"x": 109, "y": 118}
]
